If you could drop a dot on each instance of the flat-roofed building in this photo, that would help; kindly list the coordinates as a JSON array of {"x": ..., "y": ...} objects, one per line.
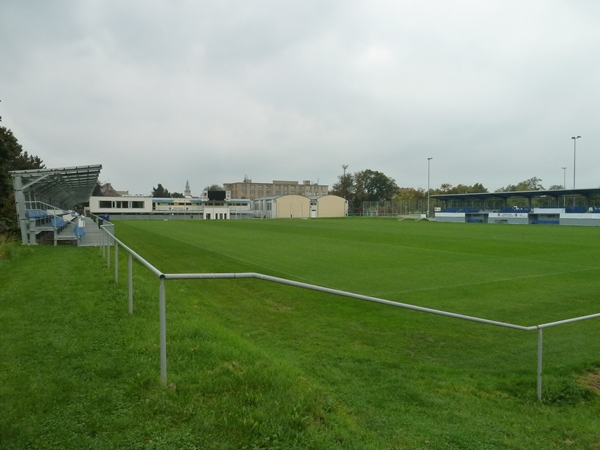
[{"x": 251, "y": 190}]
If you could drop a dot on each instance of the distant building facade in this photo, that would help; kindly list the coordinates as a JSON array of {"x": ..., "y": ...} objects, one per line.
[
  {"x": 248, "y": 189},
  {"x": 139, "y": 207}
]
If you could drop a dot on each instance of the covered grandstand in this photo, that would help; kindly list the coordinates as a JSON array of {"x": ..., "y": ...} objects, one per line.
[
  {"x": 550, "y": 207},
  {"x": 45, "y": 200}
]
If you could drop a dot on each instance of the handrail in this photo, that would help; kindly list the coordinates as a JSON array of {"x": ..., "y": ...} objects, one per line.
[{"x": 327, "y": 290}]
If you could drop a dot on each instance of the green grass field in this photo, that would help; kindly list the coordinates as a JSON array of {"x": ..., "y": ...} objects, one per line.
[{"x": 257, "y": 365}]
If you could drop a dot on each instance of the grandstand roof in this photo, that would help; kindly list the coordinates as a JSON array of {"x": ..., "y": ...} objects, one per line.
[
  {"x": 63, "y": 187},
  {"x": 482, "y": 196}
]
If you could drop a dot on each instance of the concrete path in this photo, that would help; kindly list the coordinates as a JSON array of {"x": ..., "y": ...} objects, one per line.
[{"x": 92, "y": 234}]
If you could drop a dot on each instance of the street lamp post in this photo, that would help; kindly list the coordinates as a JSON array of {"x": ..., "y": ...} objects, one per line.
[
  {"x": 574, "y": 161},
  {"x": 344, "y": 166},
  {"x": 345, "y": 189},
  {"x": 574, "y": 156},
  {"x": 428, "y": 178},
  {"x": 564, "y": 185}
]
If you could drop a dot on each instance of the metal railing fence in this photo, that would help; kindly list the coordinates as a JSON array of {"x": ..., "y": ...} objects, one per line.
[{"x": 110, "y": 240}]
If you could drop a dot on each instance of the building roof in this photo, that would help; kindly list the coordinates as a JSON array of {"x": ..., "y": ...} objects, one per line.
[
  {"x": 63, "y": 187},
  {"x": 274, "y": 197},
  {"x": 483, "y": 196}
]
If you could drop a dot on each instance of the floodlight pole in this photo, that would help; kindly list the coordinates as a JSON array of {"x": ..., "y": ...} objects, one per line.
[
  {"x": 344, "y": 166},
  {"x": 428, "y": 179},
  {"x": 574, "y": 162},
  {"x": 574, "y": 156},
  {"x": 564, "y": 185},
  {"x": 540, "y": 364},
  {"x": 130, "y": 279}
]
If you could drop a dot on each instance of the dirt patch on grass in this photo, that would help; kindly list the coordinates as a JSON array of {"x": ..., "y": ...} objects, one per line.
[{"x": 592, "y": 380}]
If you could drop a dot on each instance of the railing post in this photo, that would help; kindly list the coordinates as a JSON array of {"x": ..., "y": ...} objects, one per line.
[
  {"x": 108, "y": 249},
  {"x": 163, "y": 333},
  {"x": 130, "y": 284},
  {"x": 116, "y": 262},
  {"x": 539, "y": 365},
  {"x": 102, "y": 242}
]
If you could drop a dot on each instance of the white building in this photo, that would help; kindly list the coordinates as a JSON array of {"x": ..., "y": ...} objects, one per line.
[{"x": 174, "y": 208}]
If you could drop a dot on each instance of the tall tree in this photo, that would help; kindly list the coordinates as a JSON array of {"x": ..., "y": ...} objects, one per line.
[
  {"x": 532, "y": 184},
  {"x": 97, "y": 192},
  {"x": 12, "y": 157},
  {"x": 410, "y": 194},
  {"x": 160, "y": 191},
  {"x": 214, "y": 187},
  {"x": 371, "y": 185},
  {"x": 366, "y": 185},
  {"x": 344, "y": 187},
  {"x": 447, "y": 188}
]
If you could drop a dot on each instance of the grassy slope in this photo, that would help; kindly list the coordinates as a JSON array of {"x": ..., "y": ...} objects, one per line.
[
  {"x": 257, "y": 365},
  {"x": 78, "y": 372}
]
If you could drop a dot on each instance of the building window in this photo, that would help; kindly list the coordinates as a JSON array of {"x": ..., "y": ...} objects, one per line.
[{"x": 105, "y": 204}]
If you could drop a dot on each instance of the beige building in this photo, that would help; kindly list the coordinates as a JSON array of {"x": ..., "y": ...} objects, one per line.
[
  {"x": 282, "y": 207},
  {"x": 328, "y": 206},
  {"x": 298, "y": 206},
  {"x": 251, "y": 190}
]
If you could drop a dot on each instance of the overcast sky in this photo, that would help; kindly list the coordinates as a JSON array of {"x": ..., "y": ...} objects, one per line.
[{"x": 212, "y": 91}]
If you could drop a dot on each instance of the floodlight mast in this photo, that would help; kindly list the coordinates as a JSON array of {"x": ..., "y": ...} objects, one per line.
[
  {"x": 564, "y": 185},
  {"x": 428, "y": 178},
  {"x": 344, "y": 166},
  {"x": 574, "y": 156},
  {"x": 574, "y": 161}
]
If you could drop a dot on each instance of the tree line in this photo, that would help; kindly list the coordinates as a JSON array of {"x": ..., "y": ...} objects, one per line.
[
  {"x": 12, "y": 157},
  {"x": 371, "y": 185}
]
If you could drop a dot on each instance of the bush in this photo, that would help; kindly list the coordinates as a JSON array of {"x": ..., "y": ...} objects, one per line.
[{"x": 7, "y": 243}]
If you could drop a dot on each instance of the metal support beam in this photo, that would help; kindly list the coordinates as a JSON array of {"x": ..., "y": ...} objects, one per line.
[
  {"x": 21, "y": 208},
  {"x": 539, "y": 366},
  {"x": 130, "y": 284},
  {"x": 116, "y": 263}
]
